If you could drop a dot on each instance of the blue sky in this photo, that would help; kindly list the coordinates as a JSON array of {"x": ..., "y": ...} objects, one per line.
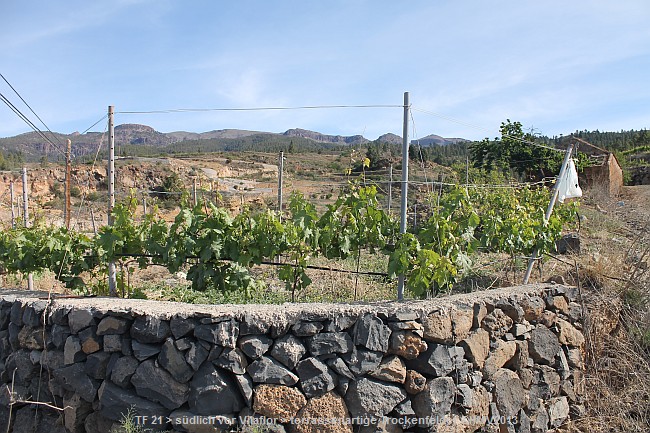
[{"x": 555, "y": 66}]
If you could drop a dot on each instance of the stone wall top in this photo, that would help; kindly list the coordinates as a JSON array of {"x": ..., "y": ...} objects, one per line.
[{"x": 288, "y": 312}]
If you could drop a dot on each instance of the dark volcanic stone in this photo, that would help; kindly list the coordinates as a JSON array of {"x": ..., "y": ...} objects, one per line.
[
  {"x": 123, "y": 371},
  {"x": 315, "y": 377},
  {"x": 143, "y": 351},
  {"x": 115, "y": 402},
  {"x": 371, "y": 333},
  {"x": 268, "y": 370},
  {"x": 74, "y": 378},
  {"x": 213, "y": 392},
  {"x": 173, "y": 360},
  {"x": 255, "y": 346},
  {"x": 149, "y": 330},
  {"x": 158, "y": 385},
  {"x": 288, "y": 350},
  {"x": 330, "y": 342}
]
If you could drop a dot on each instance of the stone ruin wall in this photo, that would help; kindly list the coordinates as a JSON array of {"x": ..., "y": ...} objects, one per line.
[{"x": 506, "y": 360}]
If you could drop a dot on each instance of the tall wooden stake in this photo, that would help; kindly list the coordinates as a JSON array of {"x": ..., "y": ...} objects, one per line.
[
  {"x": 13, "y": 208},
  {"x": 549, "y": 209},
  {"x": 67, "y": 206},
  {"x": 112, "y": 272},
  {"x": 30, "y": 277},
  {"x": 405, "y": 185},
  {"x": 280, "y": 180},
  {"x": 390, "y": 188}
]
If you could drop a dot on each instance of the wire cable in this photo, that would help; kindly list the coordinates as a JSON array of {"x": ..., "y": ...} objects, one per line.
[
  {"x": 28, "y": 122},
  {"x": 304, "y": 107},
  {"x": 31, "y": 109}
]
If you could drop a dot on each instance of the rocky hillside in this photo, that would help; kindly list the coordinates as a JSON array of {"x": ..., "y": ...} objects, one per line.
[{"x": 33, "y": 147}]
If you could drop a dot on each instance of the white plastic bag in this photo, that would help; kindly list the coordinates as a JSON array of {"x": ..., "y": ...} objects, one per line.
[{"x": 568, "y": 187}]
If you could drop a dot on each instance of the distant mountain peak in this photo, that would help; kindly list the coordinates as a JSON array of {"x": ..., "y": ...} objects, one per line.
[{"x": 324, "y": 138}]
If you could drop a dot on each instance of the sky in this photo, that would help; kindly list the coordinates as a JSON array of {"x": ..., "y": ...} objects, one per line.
[{"x": 556, "y": 66}]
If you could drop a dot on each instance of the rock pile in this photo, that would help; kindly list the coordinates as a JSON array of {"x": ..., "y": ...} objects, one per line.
[{"x": 511, "y": 364}]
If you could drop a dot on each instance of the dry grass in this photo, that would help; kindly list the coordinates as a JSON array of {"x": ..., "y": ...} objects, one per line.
[{"x": 616, "y": 292}]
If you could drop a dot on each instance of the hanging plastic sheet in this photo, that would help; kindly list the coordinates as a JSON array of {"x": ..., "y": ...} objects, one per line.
[{"x": 568, "y": 187}]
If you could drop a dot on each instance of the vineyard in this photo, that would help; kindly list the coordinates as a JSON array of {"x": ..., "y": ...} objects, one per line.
[{"x": 218, "y": 251}]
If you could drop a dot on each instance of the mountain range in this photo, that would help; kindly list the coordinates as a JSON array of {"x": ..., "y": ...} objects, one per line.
[{"x": 136, "y": 138}]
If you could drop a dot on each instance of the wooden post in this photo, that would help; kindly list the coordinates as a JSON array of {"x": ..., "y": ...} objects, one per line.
[
  {"x": 30, "y": 277},
  {"x": 67, "y": 205},
  {"x": 390, "y": 188},
  {"x": 92, "y": 216},
  {"x": 280, "y": 181},
  {"x": 13, "y": 208},
  {"x": 112, "y": 271},
  {"x": 405, "y": 185}
]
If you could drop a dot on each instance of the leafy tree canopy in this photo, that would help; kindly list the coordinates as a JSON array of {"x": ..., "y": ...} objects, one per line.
[{"x": 514, "y": 152}]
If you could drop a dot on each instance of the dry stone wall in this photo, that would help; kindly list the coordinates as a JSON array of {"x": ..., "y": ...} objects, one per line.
[{"x": 507, "y": 360}]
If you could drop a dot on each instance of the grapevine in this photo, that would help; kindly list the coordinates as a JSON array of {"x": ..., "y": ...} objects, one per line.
[{"x": 221, "y": 249}]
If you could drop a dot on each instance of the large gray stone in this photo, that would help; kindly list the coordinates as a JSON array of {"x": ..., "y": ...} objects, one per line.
[
  {"x": 268, "y": 370},
  {"x": 543, "y": 345},
  {"x": 288, "y": 350},
  {"x": 558, "y": 411},
  {"x": 222, "y": 333},
  {"x": 371, "y": 333},
  {"x": 156, "y": 384},
  {"x": 362, "y": 361},
  {"x": 367, "y": 397},
  {"x": 33, "y": 314},
  {"x": 330, "y": 342},
  {"x": 96, "y": 364},
  {"x": 306, "y": 329},
  {"x": 58, "y": 335},
  {"x": 340, "y": 367},
  {"x": 72, "y": 350},
  {"x": 16, "y": 313},
  {"x": 250, "y": 324},
  {"x": 75, "y": 412},
  {"x": 80, "y": 319},
  {"x": 315, "y": 377},
  {"x": 245, "y": 385},
  {"x": 52, "y": 359},
  {"x": 232, "y": 360},
  {"x": 74, "y": 378},
  {"x": 196, "y": 355},
  {"x": 254, "y": 346},
  {"x": 213, "y": 392},
  {"x": 111, "y": 325},
  {"x": 113, "y": 343},
  {"x": 508, "y": 392},
  {"x": 123, "y": 371},
  {"x": 436, "y": 399},
  {"x": 438, "y": 360},
  {"x": 173, "y": 360},
  {"x": 115, "y": 402},
  {"x": 143, "y": 351},
  {"x": 181, "y": 326},
  {"x": 150, "y": 329}
]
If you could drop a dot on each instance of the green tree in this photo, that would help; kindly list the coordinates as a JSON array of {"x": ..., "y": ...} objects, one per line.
[{"x": 514, "y": 151}]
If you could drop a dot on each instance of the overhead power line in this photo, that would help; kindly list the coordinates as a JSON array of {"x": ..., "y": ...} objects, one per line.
[
  {"x": 304, "y": 107},
  {"x": 29, "y": 122},
  {"x": 30, "y": 109}
]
